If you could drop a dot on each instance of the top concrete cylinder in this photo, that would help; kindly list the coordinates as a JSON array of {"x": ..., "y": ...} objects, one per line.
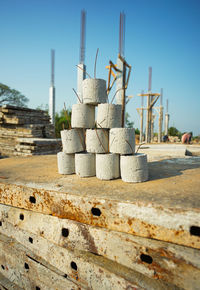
[
  {"x": 83, "y": 116},
  {"x": 109, "y": 116},
  {"x": 73, "y": 140},
  {"x": 94, "y": 91},
  {"x": 122, "y": 140}
]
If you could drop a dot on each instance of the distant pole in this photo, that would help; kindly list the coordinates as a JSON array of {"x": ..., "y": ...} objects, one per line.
[
  {"x": 166, "y": 119},
  {"x": 120, "y": 64},
  {"x": 160, "y": 121},
  {"x": 52, "y": 89},
  {"x": 141, "y": 117},
  {"x": 152, "y": 126},
  {"x": 81, "y": 69}
]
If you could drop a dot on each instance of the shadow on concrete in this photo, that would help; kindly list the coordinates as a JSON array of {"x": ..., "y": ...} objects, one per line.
[{"x": 171, "y": 167}]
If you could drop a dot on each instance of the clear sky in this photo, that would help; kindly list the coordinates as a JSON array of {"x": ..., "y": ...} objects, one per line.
[{"x": 164, "y": 34}]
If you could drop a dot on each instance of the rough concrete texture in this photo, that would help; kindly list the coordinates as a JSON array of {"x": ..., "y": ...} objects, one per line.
[
  {"x": 109, "y": 116},
  {"x": 94, "y": 91},
  {"x": 107, "y": 166},
  {"x": 85, "y": 164},
  {"x": 167, "y": 150},
  {"x": 166, "y": 207},
  {"x": 122, "y": 140},
  {"x": 66, "y": 163},
  {"x": 73, "y": 140},
  {"x": 97, "y": 141},
  {"x": 134, "y": 168},
  {"x": 83, "y": 116}
]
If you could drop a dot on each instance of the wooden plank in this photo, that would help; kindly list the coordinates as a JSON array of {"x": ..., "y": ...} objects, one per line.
[
  {"x": 175, "y": 264},
  {"x": 91, "y": 270},
  {"x": 23, "y": 270}
]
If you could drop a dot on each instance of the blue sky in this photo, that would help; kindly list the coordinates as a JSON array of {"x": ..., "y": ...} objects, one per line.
[{"x": 164, "y": 34}]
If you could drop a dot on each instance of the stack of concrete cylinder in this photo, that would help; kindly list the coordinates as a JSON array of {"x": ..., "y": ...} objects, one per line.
[{"x": 100, "y": 148}]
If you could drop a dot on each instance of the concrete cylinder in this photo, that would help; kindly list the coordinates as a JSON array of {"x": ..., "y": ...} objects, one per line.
[
  {"x": 73, "y": 140},
  {"x": 134, "y": 168},
  {"x": 109, "y": 116},
  {"x": 66, "y": 163},
  {"x": 83, "y": 116},
  {"x": 107, "y": 166},
  {"x": 85, "y": 165},
  {"x": 97, "y": 141},
  {"x": 122, "y": 140},
  {"x": 94, "y": 91}
]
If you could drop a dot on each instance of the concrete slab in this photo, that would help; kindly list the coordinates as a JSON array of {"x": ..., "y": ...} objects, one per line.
[
  {"x": 166, "y": 150},
  {"x": 167, "y": 207}
]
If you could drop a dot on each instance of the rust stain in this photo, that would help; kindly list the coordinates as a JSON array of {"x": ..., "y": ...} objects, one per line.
[
  {"x": 88, "y": 237},
  {"x": 52, "y": 202}
]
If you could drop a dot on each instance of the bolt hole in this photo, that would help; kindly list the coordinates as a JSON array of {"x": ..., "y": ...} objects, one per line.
[
  {"x": 74, "y": 266},
  {"x": 30, "y": 240},
  {"x": 146, "y": 258},
  {"x": 2, "y": 266},
  {"x": 96, "y": 211},
  {"x": 26, "y": 266},
  {"x": 21, "y": 216},
  {"x": 65, "y": 232},
  {"x": 0, "y": 223},
  {"x": 32, "y": 199},
  {"x": 195, "y": 231},
  {"x": 65, "y": 276},
  {"x": 37, "y": 288}
]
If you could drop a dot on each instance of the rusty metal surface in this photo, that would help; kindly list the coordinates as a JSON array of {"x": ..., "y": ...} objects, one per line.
[
  {"x": 88, "y": 275},
  {"x": 146, "y": 220},
  {"x": 20, "y": 268},
  {"x": 92, "y": 271},
  {"x": 159, "y": 260},
  {"x": 5, "y": 284}
]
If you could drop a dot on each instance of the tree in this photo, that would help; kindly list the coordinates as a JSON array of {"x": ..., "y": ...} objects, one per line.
[
  {"x": 137, "y": 131},
  {"x": 10, "y": 96},
  {"x": 62, "y": 121},
  {"x": 172, "y": 131}
]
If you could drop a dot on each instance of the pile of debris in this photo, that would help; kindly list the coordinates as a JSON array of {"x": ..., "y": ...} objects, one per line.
[{"x": 21, "y": 127}]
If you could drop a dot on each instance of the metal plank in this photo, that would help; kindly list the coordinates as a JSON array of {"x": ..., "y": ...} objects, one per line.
[
  {"x": 160, "y": 260},
  {"x": 152, "y": 221},
  {"x": 5, "y": 284},
  {"x": 89, "y": 270},
  {"x": 28, "y": 273}
]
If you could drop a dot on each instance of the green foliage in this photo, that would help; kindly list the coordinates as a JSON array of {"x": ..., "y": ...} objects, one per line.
[
  {"x": 128, "y": 123},
  {"x": 62, "y": 121},
  {"x": 172, "y": 131},
  {"x": 137, "y": 131},
  {"x": 10, "y": 96}
]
